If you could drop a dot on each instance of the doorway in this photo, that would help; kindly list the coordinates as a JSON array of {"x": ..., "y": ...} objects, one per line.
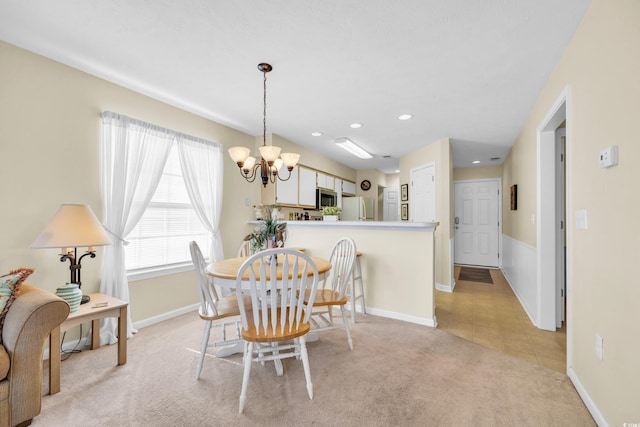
[
  {"x": 390, "y": 204},
  {"x": 477, "y": 222},
  {"x": 423, "y": 194},
  {"x": 553, "y": 284}
]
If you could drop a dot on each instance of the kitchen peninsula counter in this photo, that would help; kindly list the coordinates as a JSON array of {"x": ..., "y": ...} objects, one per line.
[{"x": 398, "y": 264}]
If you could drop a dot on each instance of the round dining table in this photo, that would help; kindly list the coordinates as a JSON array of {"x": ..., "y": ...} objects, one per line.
[{"x": 226, "y": 271}]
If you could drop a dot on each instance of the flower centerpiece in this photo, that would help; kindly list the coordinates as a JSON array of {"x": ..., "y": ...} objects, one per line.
[
  {"x": 330, "y": 213},
  {"x": 270, "y": 233}
]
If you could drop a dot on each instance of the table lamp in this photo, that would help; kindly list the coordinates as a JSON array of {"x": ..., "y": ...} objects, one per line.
[{"x": 71, "y": 227}]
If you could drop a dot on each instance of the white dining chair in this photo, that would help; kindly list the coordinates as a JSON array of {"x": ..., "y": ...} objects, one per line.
[
  {"x": 244, "y": 249},
  {"x": 213, "y": 309},
  {"x": 276, "y": 319},
  {"x": 332, "y": 291}
]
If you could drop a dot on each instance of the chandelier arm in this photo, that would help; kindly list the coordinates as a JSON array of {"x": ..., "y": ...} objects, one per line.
[
  {"x": 281, "y": 178},
  {"x": 250, "y": 177}
]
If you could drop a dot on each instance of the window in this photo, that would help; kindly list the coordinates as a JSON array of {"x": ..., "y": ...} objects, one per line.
[{"x": 160, "y": 241}]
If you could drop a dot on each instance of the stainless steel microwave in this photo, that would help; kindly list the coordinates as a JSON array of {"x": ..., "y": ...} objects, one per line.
[{"x": 325, "y": 198}]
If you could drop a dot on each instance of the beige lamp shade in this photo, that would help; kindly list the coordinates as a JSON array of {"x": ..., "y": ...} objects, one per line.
[{"x": 72, "y": 226}]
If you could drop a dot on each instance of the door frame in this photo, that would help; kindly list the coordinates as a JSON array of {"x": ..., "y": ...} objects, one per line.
[
  {"x": 501, "y": 190},
  {"x": 546, "y": 230}
]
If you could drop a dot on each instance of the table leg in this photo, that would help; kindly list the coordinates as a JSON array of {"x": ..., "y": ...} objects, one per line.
[
  {"x": 95, "y": 334},
  {"x": 54, "y": 361},
  {"x": 122, "y": 336}
]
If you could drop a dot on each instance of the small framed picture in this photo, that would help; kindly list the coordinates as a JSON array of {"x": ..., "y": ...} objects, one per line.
[
  {"x": 404, "y": 211},
  {"x": 404, "y": 192},
  {"x": 514, "y": 197}
]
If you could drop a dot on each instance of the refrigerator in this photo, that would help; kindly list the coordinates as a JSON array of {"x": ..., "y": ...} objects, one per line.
[{"x": 357, "y": 209}]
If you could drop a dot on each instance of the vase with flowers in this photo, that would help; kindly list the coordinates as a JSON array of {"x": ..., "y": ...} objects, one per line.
[{"x": 270, "y": 233}]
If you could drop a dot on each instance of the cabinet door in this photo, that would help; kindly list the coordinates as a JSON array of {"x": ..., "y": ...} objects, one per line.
[
  {"x": 330, "y": 182},
  {"x": 349, "y": 187},
  {"x": 321, "y": 180},
  {"x": 338, "y": 189},
  {"x": 287, "y": 191},
  {"x": 307, "y": 190}
]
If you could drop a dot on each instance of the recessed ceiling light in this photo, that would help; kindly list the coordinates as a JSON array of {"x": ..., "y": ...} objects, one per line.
[
  {"x": 404, "y": 117},
  {"x": 316, "y": 134},
  {"x": 355, "y": 125},
  {"x": 475, "y": 162}
]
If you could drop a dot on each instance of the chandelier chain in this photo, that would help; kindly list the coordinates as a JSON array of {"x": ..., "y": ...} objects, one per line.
[{"x": 264, "y": 110}]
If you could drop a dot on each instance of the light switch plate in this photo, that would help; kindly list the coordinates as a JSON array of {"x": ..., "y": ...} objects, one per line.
[
  {"x": 609, "y": 157},
  {"x": 581, "y": 220},
  {"x": 599, "y": 344}
]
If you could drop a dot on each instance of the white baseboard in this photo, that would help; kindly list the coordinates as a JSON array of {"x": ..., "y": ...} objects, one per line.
[
  {"x": 165, "y": 316},
  {"x": 588, "y": 402},
  {"x": 445, "y": 288},
  {"x": 398, "y": 316}
]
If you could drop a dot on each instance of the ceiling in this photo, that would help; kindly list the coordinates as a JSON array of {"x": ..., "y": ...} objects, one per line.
[{"x": 467, "y": 70}]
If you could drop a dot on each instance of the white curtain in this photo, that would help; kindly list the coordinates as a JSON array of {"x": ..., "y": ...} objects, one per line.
[
  {"x": 201, "y": 163},
  {"x": 133, "y": 156}
]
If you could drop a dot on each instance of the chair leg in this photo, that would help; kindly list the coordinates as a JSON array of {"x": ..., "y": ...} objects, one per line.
[
  {"x": 305, "y": 364},
  {"x": 203, "y": 346},
  {"x": 248, "y": 354},
  {"x": 277, "y": 362},
  {"x": 346, "y": 327}
]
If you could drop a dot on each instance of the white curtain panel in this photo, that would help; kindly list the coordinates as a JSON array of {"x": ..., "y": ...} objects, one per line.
[
  {"x": 201, "y": 163},
  {"x": 133, "y": 156}
]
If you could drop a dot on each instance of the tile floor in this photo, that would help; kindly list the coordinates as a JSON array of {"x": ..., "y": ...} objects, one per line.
[{"x": 491, "y": 315}]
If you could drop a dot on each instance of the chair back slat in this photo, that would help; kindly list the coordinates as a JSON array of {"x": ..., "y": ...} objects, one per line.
[
  {"x": 278, "y": 305},
  {"x": 206, "y": 289},
  {"x": 342, "y": 260}
]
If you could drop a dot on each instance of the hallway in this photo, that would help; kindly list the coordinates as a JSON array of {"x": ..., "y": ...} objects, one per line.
[{"x": 491, "y": 315}]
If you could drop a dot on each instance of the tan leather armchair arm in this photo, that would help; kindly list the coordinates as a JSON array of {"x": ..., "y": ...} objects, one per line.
[{"x": 30, "y": 320}]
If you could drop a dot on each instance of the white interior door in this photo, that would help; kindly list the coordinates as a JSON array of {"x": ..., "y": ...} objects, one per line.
[
  {"x": 423, "y": 194},
  {"x": 477, "y": 222},
  {"x": 390, "y": 207}
]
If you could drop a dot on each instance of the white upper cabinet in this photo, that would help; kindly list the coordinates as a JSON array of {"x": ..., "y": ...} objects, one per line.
[
  {"x": 330, "y": 182},
  {"x": 349, "y": 187},
  {"x": 307, "y": 187},
  {"x": 321, "y": 180},
  {"x": 287, "y": 191}
]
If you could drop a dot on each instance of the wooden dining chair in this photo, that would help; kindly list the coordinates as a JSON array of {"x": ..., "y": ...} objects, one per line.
[
  {"x": 276, "y": 319},
  {"x": 213, "y": 309},
  {"x": 332, "y": 291}
]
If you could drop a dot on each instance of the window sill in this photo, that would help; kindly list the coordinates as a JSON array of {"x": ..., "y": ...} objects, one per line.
[{"x": 164, "y": 270}]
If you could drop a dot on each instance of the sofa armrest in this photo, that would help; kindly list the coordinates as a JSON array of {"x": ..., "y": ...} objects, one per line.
[{"x": 32, "y": 317}]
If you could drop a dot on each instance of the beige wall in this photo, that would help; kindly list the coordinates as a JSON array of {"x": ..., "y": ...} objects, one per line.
[
  {"x": 601, "y": 68},
  {"x": 50, "y": 150},
  {"x": 461, "y": 174},
  {"x": 439, "y": 153}
]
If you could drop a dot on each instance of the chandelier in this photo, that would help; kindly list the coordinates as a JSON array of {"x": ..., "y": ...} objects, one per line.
[{"x": 269, "y": 164}]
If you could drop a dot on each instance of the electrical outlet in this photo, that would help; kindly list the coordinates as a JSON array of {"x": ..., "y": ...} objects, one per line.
[{"x": 598, "y": 347}]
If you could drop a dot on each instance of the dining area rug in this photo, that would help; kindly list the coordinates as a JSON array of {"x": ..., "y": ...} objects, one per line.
[{"x": 473, "y": 274}]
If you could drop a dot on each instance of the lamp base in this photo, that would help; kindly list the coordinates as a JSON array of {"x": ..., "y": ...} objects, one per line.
[{"x": 85, "y": 299}]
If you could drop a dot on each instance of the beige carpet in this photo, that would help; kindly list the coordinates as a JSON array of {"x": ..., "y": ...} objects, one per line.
[{"x": 398, "y": 374}]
